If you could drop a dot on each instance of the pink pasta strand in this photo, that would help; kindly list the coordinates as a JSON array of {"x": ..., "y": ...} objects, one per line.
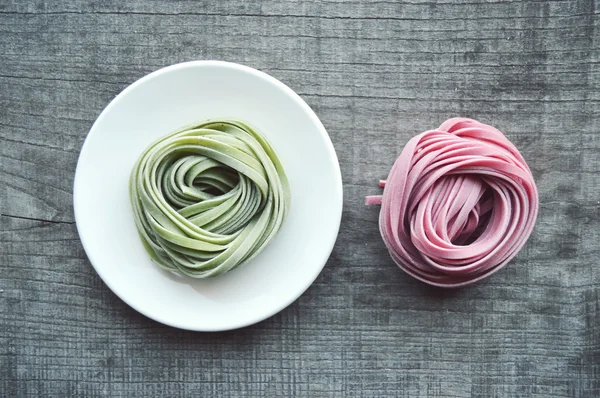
[{"x": 459, "y": 203}]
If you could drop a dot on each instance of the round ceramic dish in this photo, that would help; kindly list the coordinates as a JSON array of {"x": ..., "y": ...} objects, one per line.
[{"x": 160, "y": 103}]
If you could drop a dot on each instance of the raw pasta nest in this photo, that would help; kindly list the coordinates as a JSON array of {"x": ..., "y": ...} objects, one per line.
[
  {"x": 458, "y": 204},
  {"x": 208, "y": 197}
]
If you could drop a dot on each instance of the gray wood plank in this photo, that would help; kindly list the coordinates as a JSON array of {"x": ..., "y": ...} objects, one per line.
[{"x": 376, "y": 72}]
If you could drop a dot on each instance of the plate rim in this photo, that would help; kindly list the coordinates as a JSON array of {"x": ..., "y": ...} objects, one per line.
[{"x": 328, "y": 147}]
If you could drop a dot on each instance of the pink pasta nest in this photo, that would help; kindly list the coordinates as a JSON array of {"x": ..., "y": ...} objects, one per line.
[{"x": 459, "y": 203}]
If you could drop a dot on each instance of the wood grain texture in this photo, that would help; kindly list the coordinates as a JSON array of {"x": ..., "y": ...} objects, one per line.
[{"x": 376, "y": 72}]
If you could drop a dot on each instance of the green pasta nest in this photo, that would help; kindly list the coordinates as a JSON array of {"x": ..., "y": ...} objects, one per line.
[{"x": 208, "y": 197}]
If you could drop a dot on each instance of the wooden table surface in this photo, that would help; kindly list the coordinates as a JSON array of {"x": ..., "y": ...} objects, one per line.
[{"x": 376, "y": 73}]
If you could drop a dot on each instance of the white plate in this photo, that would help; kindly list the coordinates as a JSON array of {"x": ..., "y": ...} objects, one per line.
[{"x": 161, "y": 102}]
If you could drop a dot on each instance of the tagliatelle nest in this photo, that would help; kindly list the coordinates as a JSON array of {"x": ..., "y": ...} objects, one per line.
[
  {"x": 208, "y": 197},
  {"x": 458, "y": 204}
]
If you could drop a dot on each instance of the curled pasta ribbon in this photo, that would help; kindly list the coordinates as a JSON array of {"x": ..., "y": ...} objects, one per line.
[
  {"x": 208, "y": 197},
  {"x": 458, "y": 204}
]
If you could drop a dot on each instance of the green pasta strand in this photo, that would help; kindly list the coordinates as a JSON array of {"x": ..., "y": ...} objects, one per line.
[{"x": 208, "y": 197}]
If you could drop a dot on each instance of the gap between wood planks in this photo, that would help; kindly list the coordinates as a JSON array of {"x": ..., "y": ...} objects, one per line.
[{"x": 37, "y": 219}]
